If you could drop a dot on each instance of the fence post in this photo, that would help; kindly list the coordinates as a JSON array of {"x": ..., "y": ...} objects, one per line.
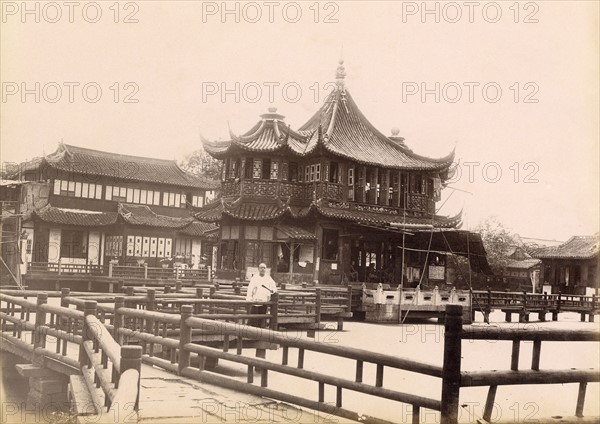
[
  {"x": 591, "y": 318},
  {"x": 557, "y": 310},
  {"x": 40, "y": 321},
  {"x": 274, "y": 311},
  {"x": 110, "y": 270},
  {"x": 524, "y": 315},
  {"x": 59, "y": 266},
  {"x": 89, "y": 308},
  {"x": 150, "y": 306},
  {"x": 118, "y": 319},
  {"x": 62, "y": 324},
  {"x": 131, "y": 358},
  {"x": 145, "y": 271},
  {"x": 185, "y": 336},
  {"x": 177, "y": 286},
  {"x": 318, "y": 301},
  {"x": 452, "y": 364},
  {"x": 210, "y": 277}
]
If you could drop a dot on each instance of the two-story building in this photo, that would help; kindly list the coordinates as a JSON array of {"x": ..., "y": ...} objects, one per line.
[
  {"x": 91, "y": 207},
  {"x": 334, "y": 201}
]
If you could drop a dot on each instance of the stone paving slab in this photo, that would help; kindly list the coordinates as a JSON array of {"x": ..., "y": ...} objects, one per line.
[{"x": 166, "y": 398}]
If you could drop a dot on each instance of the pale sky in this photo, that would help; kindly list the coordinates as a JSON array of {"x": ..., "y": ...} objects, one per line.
[{"x": 541, "y": 133}]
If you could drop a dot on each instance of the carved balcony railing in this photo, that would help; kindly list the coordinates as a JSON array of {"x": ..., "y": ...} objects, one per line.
[
  {"x": 273, "y": 188},
  {"x": 420, "y": 203},
  {"x": 416, "y": 204}
]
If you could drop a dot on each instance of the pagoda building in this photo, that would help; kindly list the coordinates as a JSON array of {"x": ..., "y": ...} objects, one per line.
[{"x": 334, "y": 201}]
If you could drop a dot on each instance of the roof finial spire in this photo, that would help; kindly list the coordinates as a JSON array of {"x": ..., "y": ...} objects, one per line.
[{"x": 340, "y": 74}]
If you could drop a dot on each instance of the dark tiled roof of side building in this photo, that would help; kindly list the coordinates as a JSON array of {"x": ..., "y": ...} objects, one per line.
[
  {"x": 86, "y": 161},
  {"x": 577, "y": 247}
]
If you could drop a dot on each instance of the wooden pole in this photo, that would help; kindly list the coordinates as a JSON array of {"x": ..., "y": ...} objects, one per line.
[
  {"x": 40, "y": 321},
  {"x": 89, "y": 308},
  {"x": 185, "y": 337},
  {"x": 118, "y": 319},
  {"x": 452, "y": 364},
  {"x": 291, "y": 267},
  {"x": 273, "y": 324}
]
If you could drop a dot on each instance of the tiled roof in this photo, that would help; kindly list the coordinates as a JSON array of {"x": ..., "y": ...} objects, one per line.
[
  {"x": 131, "y": 214},
  {"x": 365, "y": 214},
  {"x": 523, "y": 264},
  {"x": 384, "y": 217},
  {"x": 124, "y": 167},
  {"x": 268, "y": 135},
  {"x": 143, "y": 215},
  {"x": 77, "y": 217},
  {"x": 296, "y": 233},
  {"x": 577, "y": 247},
  {"x": 347, "y": 132},
  {"x": 340, "y": 128},
  {"x": 242, "y": 209},
  {"x": 211, "y": 212},
  {"x": 199, "y": 229}
]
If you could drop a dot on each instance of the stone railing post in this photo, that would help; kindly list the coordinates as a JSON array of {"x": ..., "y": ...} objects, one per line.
[
  {"x": 131, "y": 358},
  {"x": 110, "y": 270},
  {"x": 145, "y": 271}
]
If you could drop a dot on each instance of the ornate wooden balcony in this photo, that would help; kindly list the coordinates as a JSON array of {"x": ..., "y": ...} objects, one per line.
[{"x": 417, "y": 204}]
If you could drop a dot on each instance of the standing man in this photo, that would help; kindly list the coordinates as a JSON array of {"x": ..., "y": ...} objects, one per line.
[{"x": 260, "y": 289}]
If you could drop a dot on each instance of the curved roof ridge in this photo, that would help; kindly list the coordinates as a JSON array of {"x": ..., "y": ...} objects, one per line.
[
  {"x": 387, "y": 140},
  {"x": 72, "y": 149}
]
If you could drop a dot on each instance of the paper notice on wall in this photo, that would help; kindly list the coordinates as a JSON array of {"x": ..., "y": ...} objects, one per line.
[
  {"x": 436, "y": 272},
  {"x": 306, "y": 253}
]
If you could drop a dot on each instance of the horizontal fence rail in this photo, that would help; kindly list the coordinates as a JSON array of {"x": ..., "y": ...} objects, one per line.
[{"x": 110, "y": 372}]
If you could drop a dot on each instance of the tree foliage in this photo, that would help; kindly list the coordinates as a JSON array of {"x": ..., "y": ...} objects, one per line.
[
  {"x": 202, "y": 164},
  {"x": 497, "y": 241}
]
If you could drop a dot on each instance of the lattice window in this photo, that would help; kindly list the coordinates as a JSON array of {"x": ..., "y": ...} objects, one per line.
[
  {"x": 257, "y": 169},
  {"x": 274, "y": 170},
  {"x": 284, "y": 171},
  {"x": 234, "y": 169}
]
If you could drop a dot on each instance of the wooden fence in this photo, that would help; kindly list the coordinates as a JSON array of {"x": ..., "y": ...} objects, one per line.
[
  {"x": 176, "y": 334},
  {"x": 120, "y": 271},
  {"x": 108, "y": 373},
  {"x": 525, "y": 303}
]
